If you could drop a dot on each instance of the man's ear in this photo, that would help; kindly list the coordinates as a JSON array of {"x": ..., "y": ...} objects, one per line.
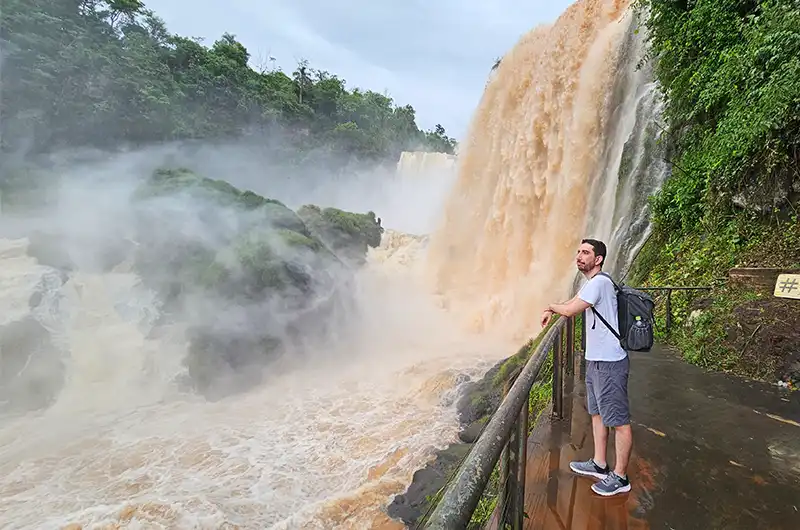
[{"x": 598, "y": 260}]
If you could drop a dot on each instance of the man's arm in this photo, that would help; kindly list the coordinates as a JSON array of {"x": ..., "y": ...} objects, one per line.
[{"x": 569, "y": 309}]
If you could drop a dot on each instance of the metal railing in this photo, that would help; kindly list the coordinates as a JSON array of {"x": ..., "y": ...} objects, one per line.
[
  {"x": 506, "y": 434},
  {"x": 668, "y": 299}
]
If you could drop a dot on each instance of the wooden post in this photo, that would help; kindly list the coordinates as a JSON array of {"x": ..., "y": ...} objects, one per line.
[
  {"x": 558, "y": 382},
  {"x": 522, "y": 453},
  {"x": 570, "y": 357},
  {"x": 669, "y": 310},
  {"x": 502, "y": 487}
]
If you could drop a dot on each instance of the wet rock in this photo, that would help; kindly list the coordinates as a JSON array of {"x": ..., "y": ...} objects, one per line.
[
  {"x": 410, "y": 506},
  {"x": 764, "y": 336},
  {"x": 793, "y": 371},
  {"x": 31, "y": 371},
  {"x": 763, "y": 198},
  {"x": 702, "y": 303},
  {"x": 478, "y": 402},
  {"x": 471, "y": 433},
  {"x": 481, "y": 398}
]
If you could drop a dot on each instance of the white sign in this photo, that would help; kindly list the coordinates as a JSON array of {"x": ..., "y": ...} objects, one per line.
[{"x": 788, "y": 286}]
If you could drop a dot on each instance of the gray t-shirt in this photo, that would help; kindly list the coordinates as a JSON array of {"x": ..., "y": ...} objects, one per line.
[{"x": 601, "y": 344}]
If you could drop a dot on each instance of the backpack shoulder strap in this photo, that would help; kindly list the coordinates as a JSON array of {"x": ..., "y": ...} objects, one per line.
[
  {"x": 605, "y": 322},
  {"x": 598, "y": 315},
  {"x": 616, "y": 287}
]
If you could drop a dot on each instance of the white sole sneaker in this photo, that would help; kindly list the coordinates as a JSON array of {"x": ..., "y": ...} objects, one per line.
[
  {"x": 623, "y": 489},
  {"x": 598, "y": 476}
]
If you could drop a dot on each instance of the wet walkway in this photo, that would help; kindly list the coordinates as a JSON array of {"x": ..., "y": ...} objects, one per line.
[{"x": 710, "y": 452}]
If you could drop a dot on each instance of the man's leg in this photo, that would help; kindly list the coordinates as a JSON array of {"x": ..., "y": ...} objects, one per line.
[
  {"x": 623, "y": 442},
  {"x": 612, "y": 400},
  {"x": 597, "y": 466},
  {"x": 600, "y": 433}
]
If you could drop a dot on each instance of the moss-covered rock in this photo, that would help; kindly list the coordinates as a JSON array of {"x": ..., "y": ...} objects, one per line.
[
  {"x": 247, "y": 276},
  {"x": 256, "y": 277},
  {"x": 347, "y": 234}
]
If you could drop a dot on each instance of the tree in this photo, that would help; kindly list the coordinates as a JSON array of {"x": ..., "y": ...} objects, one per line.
[{"x": 102, "y": 73}]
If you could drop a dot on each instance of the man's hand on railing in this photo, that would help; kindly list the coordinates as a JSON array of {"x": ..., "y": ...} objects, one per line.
[
  {"x": 572, "y": 307},
  {"x": 546, "y": 316}
]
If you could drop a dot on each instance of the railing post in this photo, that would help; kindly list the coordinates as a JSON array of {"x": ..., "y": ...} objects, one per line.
[
  {"x": 570, "y": 357},
  {"x": 583, "y": 332},
  {"x": 503, "y": 497},
  {"x": 558, "y": 382},
  {"x": 522, "y": 463},
  {"x": 669, "y": 310},
  {"x": 512, "y": 483}
]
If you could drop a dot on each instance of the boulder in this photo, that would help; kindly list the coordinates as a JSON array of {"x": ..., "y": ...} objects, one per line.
[{"x": 255, "y": 279}]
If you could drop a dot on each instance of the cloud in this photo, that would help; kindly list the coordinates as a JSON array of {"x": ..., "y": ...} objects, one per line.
[{"x": 435, "y": 56}]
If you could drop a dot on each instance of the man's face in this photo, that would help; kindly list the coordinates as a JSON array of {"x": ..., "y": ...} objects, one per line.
[{"x": 586, "y": 259}]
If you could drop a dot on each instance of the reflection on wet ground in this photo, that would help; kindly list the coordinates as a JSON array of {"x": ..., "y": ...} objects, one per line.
[{"x": 710, "y": 452}]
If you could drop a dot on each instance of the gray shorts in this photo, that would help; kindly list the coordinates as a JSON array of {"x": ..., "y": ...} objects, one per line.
[{"x": 607, "y": 391}]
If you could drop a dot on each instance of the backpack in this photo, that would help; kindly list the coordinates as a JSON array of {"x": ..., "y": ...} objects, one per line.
[{"x": 635, "y": 317}]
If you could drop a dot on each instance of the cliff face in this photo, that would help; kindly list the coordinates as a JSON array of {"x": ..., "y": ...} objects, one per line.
[{"x": 731, "y": 85}]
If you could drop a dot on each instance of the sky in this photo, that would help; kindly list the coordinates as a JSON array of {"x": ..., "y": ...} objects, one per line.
[{"x": 432, "y": 54}]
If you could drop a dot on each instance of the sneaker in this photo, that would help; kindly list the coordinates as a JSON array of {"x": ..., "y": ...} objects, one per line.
[
  {"x": 611, "y": 485},
  {"x": 589, "y": 469}
]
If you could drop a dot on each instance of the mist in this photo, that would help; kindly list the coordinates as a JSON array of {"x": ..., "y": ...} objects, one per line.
[
  {"x": 366, "y": 353},
  {"x": 84, "y": 218},
  {"x": 183, "y": 342}
]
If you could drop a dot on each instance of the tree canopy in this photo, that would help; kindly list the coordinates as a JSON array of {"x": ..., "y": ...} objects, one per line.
[{"x": 105, "y": 73}]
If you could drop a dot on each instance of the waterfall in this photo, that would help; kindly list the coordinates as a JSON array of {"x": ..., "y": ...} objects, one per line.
[{"x": 563, "y": 145}]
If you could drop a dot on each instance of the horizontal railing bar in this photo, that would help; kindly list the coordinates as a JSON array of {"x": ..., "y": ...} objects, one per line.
[
  {"x": 673, "y": 288},
  {"x": 462, "y": 495}
]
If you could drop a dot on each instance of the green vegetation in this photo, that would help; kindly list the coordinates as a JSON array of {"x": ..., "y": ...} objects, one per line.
[
  {"x": 720, "y": 331},
  {"x": 104, "y": 73},
  {"x": 730, "y": 71},
  {"x": 538, "y": 400},
  {"x": 82, "y": 76},
  {"x": 731, "y": 74},
  {"x": 204, "y": 240},
  {"x": 348, "y": 234}
]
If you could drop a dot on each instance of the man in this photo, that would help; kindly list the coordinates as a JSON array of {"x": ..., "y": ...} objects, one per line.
[{"x": 607, "y": 367}]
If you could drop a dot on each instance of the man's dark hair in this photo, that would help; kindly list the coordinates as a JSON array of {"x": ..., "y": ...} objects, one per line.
[{"x": 599, "y": 248}]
